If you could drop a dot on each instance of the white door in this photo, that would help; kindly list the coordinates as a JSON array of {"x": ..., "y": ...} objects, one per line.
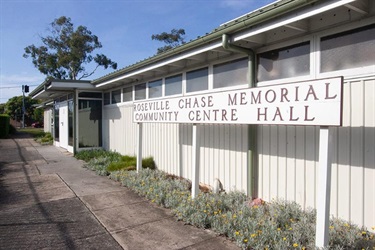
[{"x": 64, "y": 125}]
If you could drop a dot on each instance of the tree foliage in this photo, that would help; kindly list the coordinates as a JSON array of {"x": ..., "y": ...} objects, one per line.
[
  {"x": 172, "y": 39},
  {"x": 65, "y": 52},
  {"x": 13, "y": 108}
]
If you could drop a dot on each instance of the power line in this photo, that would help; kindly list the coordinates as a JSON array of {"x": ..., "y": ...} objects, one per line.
[{"x": 16, "y": 87}]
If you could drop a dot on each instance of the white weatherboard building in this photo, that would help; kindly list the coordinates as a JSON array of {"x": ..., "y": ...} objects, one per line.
[{"x": 284, "y": 42}]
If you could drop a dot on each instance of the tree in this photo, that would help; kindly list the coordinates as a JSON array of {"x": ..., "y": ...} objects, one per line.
[
  {"x": 13, "y": 108},
  {"x": 65, "y": 52},
  {"x": 2, "y": 108},
  {"x": 173, "y": 39}
]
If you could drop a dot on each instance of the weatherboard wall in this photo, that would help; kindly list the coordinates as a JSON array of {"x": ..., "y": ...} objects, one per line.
[
  {"x": 223, "y": 148},
  {"x": 288, "y": 159}
]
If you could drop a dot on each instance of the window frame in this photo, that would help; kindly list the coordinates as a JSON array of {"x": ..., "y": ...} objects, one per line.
[
  {"x": 209, "y": 83},
  {"x": 113, "y": 99},
  {"x": 350, "y": 72},
  {"x": 286, "y": 44}
]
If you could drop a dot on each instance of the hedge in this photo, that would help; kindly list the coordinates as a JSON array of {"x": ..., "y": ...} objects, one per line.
[{"x": 4, "y": 126}]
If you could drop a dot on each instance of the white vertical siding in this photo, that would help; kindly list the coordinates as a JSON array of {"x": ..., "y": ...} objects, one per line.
[
  {"x": 223, "y": 148},
  {"x": 119, "y": 132},
  {"x": 288, "y": 159}
]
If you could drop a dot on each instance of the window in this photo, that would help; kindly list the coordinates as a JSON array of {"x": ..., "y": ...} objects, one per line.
[
  {"x": 173, "y": 85},
  {"x": 116, "y": 96},
  {"x": 346, "y": 50},
  {"x": 127, "y": 94},
  {"x": 90, "y": 95},
  {"x": 197, "y": 80},
  {"x": 286, "y": 62},
  {"x": 231, "y": 74},
  {"x": 71, "y": 122},
  {"x": 155, "y": 89},
  {"x": 57, "y": 121},
  {"x": 90, "y": 124},
  {"x": 107, "y": 98},
  {"x": 140, "y": 91}
]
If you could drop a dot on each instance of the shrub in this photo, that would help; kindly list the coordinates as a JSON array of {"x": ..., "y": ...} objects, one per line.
[
  {"x": 4, "y": 126},
  {"x": 12, "y": 129},
  {"x": 148, "y": 163},
  {"x": 275, "y": 225},
  {"x": 45, "y": 138},
  {"x": 87, "y": 155},
  {"x": 103, "y": 162},
  {"x": 130, "y": 162}
]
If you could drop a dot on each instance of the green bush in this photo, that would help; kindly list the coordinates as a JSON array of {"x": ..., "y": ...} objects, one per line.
[
  {"x": 45, "y": 138},
  {"x": 130, "y": 163},
  {"x": 148, "y": 163},
  {"x": 12, "y": 129},
  {"x": 87, "y": 155},
  {"x": 103, "y": 162},
  {"x": 4, "y": 126}
]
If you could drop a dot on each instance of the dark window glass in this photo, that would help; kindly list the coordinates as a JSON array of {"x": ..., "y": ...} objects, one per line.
[
  {"x": 351, "y": 49},
  {"x": 197, "y": 80},
  {"x": 90, "y": 124},
  {"x": 140, "y": 91},
  {"x": 127, "y": 94},
  {"x": 107, "y": 98},
  {"x": 70, "y": 122},
  {"x": 57, "y": 122},
  {"x": 90, "y": 94},
  {"x": 173, "y": 85},
  {"x": 155, "y": 89},
  {"x": 231, "y": 73},
  {"x": 116, "y": 96}
]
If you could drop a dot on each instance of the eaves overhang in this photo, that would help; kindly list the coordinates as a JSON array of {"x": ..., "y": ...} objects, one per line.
[{"x": 52, "y": 88}]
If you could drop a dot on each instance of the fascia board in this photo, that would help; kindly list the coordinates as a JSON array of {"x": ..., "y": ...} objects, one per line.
[{"x": 70, "y": 85}]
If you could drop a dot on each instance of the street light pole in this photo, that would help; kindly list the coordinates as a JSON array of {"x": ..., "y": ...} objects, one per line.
[
  {"x": 23, "y": 106},
  {"x": 25, "y": 89}
]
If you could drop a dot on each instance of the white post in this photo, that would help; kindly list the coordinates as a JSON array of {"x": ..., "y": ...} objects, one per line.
[
  {"x": 139, "y": 147},
  {"x": 324, "y": 190},
  {"x": 195, "y": 162}
]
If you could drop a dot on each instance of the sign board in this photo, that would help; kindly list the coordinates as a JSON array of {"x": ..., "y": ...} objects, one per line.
[{"x": 316, "y": 102}]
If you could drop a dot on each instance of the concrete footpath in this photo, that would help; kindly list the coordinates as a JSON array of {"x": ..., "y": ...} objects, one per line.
[{"x": 49, "y": 201}]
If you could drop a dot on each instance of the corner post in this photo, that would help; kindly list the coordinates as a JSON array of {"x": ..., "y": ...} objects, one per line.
[{"x": 324, "y": 191}]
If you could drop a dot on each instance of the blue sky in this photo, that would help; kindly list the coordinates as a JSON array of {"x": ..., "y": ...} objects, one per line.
[{"x": 124, "y": 28}]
